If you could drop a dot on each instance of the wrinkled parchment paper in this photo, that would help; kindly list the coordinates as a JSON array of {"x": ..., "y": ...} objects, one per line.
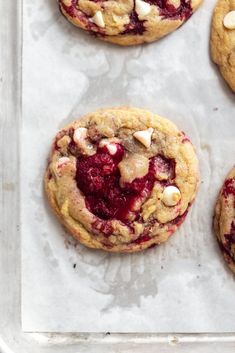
[{"x": 182, "y": 286}]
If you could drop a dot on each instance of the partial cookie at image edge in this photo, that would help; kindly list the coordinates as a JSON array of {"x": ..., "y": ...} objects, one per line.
[
  {"x": 128, "y": 22},
  {"x": 222, "y": 41}
]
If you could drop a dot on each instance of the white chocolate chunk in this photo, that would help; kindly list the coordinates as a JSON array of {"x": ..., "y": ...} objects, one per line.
[
  {"x": 229, "y": 20},
  {"x": 112, "y": 148},
  {"x": 81, "y": 139},
  {"x": 110, "y": 144},
  {"x": 142, "y": 8},
  {"x": 105, "y": 142},
  {"x": 80, "y": 134},
  {"x": 144, "y": 137},
  {"x": 98, "y": 19},
  {"x": 133, "y": 166},
  {"x": 171, "y": 195}
]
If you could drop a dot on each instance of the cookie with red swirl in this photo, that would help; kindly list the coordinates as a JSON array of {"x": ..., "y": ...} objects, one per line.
[
  {"x": 223, "y": 40},
  {"x": 128, "y": 22},
  {"x": 224, "y": 219},
  {"x": 121, "y": 179}
]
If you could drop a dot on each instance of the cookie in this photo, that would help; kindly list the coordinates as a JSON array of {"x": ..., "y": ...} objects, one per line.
[
  {"x": 128, "y": 22},
  {"x": 223, "y": 39},
  {"x": 121, "y": 179},
  {"x": 224, "y": 219}
]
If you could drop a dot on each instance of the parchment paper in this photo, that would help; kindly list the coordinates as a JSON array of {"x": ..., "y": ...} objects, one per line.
[{"x": 182, "y": 286}]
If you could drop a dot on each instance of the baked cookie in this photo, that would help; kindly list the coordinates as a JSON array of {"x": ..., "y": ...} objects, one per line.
[
  {"x": 121, "y": 179},
  {"x": 223, "y": 39},
  {"x": 224, "y": 219},
  {"x": 128, "y": 22}
]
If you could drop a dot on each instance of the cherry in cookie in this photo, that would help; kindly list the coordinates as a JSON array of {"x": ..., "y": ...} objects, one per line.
[
  {"x": 223, "y": 40},
  {"x": 128, "y": 22},
  {"x": 121, "y": 179},
  {"x": 224, "y": 219}
]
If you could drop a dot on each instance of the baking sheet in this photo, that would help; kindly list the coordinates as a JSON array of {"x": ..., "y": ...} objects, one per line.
[{"x": 182, "y": 286}]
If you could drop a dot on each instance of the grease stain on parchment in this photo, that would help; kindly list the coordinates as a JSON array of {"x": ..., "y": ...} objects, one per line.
[{"x": 9, "y": 187}]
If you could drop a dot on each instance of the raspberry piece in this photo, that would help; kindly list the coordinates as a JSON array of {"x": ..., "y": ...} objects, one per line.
[
  {"x": 168, "y": 10},
  {"x": 98, "y": 177},
  {"x": 135, "y": 26},
  {"x": 229, "y": 187}
]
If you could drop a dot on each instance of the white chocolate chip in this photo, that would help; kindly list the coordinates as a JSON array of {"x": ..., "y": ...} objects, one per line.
[
  {"x": 142, "y": 8},
  {"x": 81, "y": 139},
  {"x": 171, "y": 195},
  {"x": 103, "y": 143},
  {"x": 80, "y": 134},
  {"x": 144, "y": 137},
  {"x": 98, "y": 19},
  {"x": 112, "y": 148},
  {"x": 229, "y": 20},
  {"x": 110, "y": 144}
]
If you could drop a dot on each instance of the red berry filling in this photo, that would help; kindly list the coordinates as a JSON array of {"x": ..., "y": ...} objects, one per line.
[
  {"x": 71, "y": 10},
  {"x": 179, "y": 220},
  {"x": 142, "y": 239},
  {"x": 145, "y": 236},
  {"x": 184, "y": 11},
  {"x": 167, "y": 10},
  {"x": 135, "y": 26},
  {"x": 230, "y": 238},
  {"x": 229, "y": 187},
  {"x": 98, "y": 178},
  {"x": 74, "y": 12}
]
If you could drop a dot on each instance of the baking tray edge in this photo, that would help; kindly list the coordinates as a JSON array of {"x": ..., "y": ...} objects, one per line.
[{"x": 12, "y": 339}]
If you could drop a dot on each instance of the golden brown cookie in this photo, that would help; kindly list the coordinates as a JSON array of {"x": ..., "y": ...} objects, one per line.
[
  {"x": 121, "y": 179},
  {"x": 224, "y": 219},
  {"x": 128, "y": 22},
  {"x": 223, "y": 39}
]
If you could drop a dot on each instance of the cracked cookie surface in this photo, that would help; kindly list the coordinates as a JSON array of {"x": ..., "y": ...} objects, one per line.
[
  {"x": 224, "y": 219},
  {"x": 223, "y": 39},
  {"x": 128, "y": 22},
  {"x": 121, "y": 179}
]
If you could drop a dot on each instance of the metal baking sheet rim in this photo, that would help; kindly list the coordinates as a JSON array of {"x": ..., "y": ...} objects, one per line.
[{"x": 12, "y": 339}]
